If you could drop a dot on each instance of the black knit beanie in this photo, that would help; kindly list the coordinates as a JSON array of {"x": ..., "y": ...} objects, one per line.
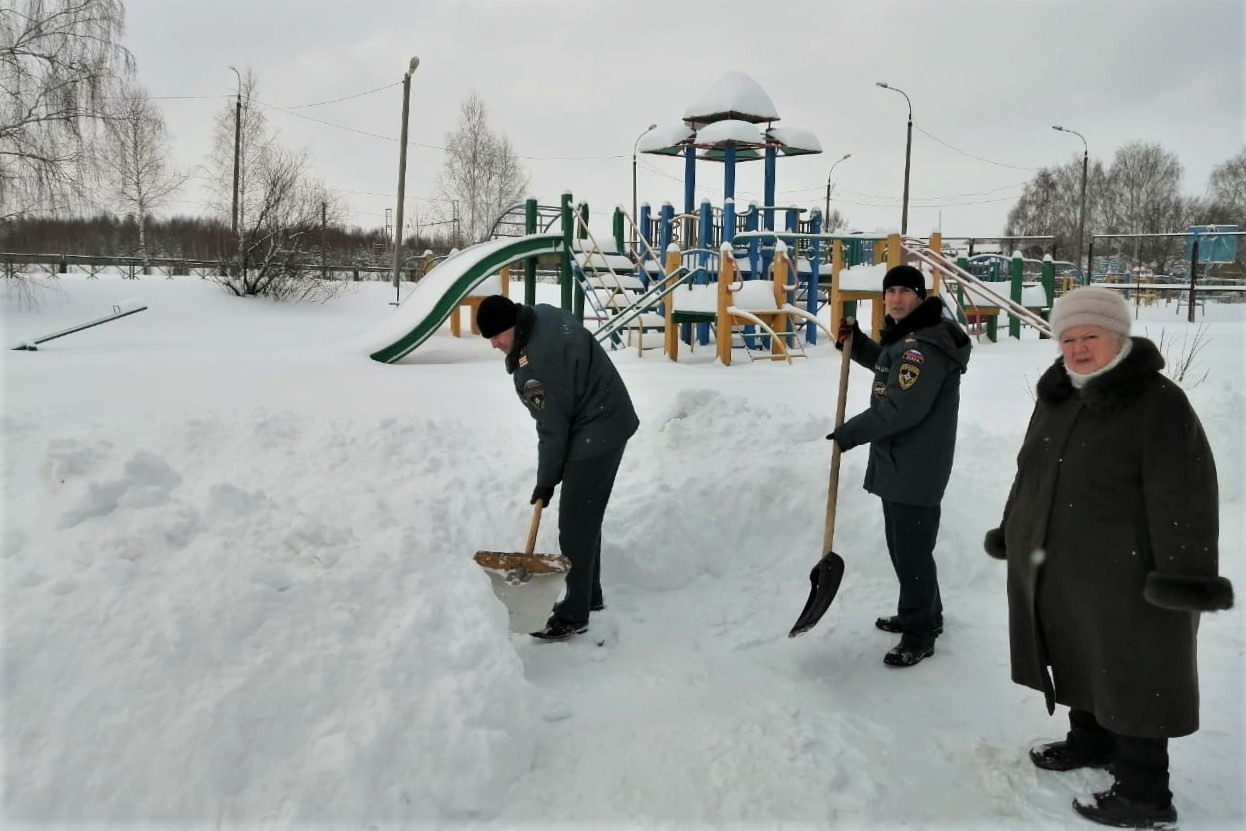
[
  {"x": 495, "y": 315},
  {"x": 908, "y": 277}
]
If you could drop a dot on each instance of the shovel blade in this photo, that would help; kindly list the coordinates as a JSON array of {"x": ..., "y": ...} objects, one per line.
[{"x": 825, "y": 578}]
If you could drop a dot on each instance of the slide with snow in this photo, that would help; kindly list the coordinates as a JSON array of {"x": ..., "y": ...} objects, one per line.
[{"x": 439, "y": 293}]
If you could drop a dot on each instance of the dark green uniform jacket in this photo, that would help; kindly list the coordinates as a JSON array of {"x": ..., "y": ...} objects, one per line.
[
  {"x": 911, "y": 423},
  {"x": 571, "y": 388},
  {"x": 1113, "y": 516}
]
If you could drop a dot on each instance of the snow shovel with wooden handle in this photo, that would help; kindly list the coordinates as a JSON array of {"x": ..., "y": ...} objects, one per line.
[
  {"x": 829, "y": 572},
  {"x": 528, "y": 584}
]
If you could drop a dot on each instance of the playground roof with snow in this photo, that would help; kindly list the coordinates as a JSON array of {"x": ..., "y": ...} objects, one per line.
[{"x": 727, "y": 115}]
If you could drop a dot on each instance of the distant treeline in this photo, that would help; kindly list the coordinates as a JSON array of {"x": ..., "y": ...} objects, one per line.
[{"x": 190, "y": 238}]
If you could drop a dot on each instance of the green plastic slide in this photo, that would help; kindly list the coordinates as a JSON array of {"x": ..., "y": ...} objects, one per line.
[{"x": 439, "y": 293}]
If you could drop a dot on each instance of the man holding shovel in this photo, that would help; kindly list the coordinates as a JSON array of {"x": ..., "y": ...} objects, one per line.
[
  {"x": 911, "y": 429},
  {"x": 584, "y": 418}
]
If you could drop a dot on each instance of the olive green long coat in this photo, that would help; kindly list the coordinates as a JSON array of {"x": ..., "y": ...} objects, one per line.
[{"x": 1114, "y": 509}]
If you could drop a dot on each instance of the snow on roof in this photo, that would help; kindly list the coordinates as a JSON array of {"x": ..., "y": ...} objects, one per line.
[
  {"x": 730, "y": 131},
  {"x": 735, "y": 96},
  {"x": 666, "y": 139},
  {"x": 795, "y": 141}
]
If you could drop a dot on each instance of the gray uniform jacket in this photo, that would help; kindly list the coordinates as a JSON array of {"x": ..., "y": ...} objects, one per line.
[
  {"x": 571, "y": 388},
  {"x": 911, "y": 422}
]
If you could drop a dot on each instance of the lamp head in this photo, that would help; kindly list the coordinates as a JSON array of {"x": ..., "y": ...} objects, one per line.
[
  {"x": 414, "y": 65},
  {"x": 1057, "y": 127},
  {"x": 882, "y": 84},
  {"x": 651, "y": 127}
]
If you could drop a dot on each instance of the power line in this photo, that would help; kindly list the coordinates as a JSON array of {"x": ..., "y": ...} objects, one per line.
[
  {"x": 290, "y": 111},
  {"x": 971, "y": 155},
  {"x": 345, "y": 97}
]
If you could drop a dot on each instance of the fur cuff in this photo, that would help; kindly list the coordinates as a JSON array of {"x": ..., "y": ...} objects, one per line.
[
  {"x": 994, "y": 544},
  {"x": 1187, "y": 593}
]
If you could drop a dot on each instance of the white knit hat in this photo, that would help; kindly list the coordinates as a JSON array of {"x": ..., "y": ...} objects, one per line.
[{"x": 1090, "y": 306}]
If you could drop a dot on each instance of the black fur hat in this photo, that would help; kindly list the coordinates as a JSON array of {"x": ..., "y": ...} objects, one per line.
[{"x": 907, "y": 276}]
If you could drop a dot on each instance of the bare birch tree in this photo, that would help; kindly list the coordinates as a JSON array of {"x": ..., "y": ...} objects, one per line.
[
  {"x": 58, "y": 59},
  {"x": 1226, "y": 189},
  {"x": 255, "y": 141},
  {"x": 134, "y": 159},
  {"x": 1050, "y": 204},
  {"x": 481, "y": 173},
  {"x": 281, "y": 210}
]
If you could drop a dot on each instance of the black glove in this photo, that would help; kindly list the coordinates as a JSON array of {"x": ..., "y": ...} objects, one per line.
[
  {"x": 846, "y": 328},
  {"x": 831, "y": 437},
  {"x": 544, "y": 493}
]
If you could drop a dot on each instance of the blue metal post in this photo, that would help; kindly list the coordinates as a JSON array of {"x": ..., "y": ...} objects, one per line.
[
  {"x": 690, "y": 177},
  {"x": 815, "y": 277},
  {"x": 771, "y": 154},
  {"x": 665, "y": 220}
]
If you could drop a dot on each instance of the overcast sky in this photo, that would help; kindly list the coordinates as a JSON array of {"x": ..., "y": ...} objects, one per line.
[{"x": 573, "y": 83}]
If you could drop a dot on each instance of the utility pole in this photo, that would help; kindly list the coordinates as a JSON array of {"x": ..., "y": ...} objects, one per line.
[
  {"x": 826, "y": 213},
  {"x": 908, "y": 153},
  {"x": 402, "y": 171},
  {"x": 237, "y": 153},
  {"x": 635, "y": 216},
  {"x": 1081, "y": 213}
]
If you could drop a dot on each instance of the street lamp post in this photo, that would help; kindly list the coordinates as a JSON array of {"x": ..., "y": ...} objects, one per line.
[
  {"x": 635, "y": 218},
  {"x": 402, "y": 171},
  {"x": 908, "y": 150},
  {"x": 237, "y": 149},
  {"x": 826, "y": 213},
  {"x": 1081, "y": 212}
]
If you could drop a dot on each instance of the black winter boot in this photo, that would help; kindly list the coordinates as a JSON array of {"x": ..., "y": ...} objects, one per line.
[
  {"x": 1110, "y": 808},
  {"x": 557, "y": 629},
  {"x": 909, "y": 651},
  {"x": 1062, "y": 756}
]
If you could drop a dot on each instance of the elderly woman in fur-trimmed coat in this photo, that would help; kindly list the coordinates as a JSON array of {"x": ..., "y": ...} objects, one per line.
[{"x": 1110, "y": 533}]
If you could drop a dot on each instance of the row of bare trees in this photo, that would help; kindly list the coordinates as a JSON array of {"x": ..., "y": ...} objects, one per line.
[
  {"x": 78, "y": 133},
  {"x": 1138, "y": 192},
  {"x": 190, "y": 238}
]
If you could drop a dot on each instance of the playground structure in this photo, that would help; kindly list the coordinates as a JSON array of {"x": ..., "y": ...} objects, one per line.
[
  {"x": 755, "y": 279},
  {"x": 693, "y": 295}
]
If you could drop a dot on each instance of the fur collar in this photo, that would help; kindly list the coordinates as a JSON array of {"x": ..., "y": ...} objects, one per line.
[
  {"x": 525, "y": 322},
  {"x": 1108, "y": 392}
]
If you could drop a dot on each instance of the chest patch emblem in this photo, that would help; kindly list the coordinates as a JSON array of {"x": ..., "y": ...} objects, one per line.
[
  {"x": 912, "y": 356},
  {"x": 908, "y": 375},
  {"x": 880, "y": 389},
  {"x": 534, "y": 394}
]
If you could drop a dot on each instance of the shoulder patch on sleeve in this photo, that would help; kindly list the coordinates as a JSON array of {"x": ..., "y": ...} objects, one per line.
[
  {"x": 908, "y": 375},
  {"x": 534, "y": 394}
]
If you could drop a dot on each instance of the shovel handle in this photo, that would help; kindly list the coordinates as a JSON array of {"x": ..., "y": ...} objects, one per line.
[
  {"x": 832, "y": 489},
  {"x": 536, "y": 525}
]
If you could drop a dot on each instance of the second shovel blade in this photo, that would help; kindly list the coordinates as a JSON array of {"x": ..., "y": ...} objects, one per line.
[{"x": 824, "y": 578}]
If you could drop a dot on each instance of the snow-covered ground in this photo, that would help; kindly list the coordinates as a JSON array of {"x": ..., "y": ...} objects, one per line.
[{"x": 238, "y": 589}]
